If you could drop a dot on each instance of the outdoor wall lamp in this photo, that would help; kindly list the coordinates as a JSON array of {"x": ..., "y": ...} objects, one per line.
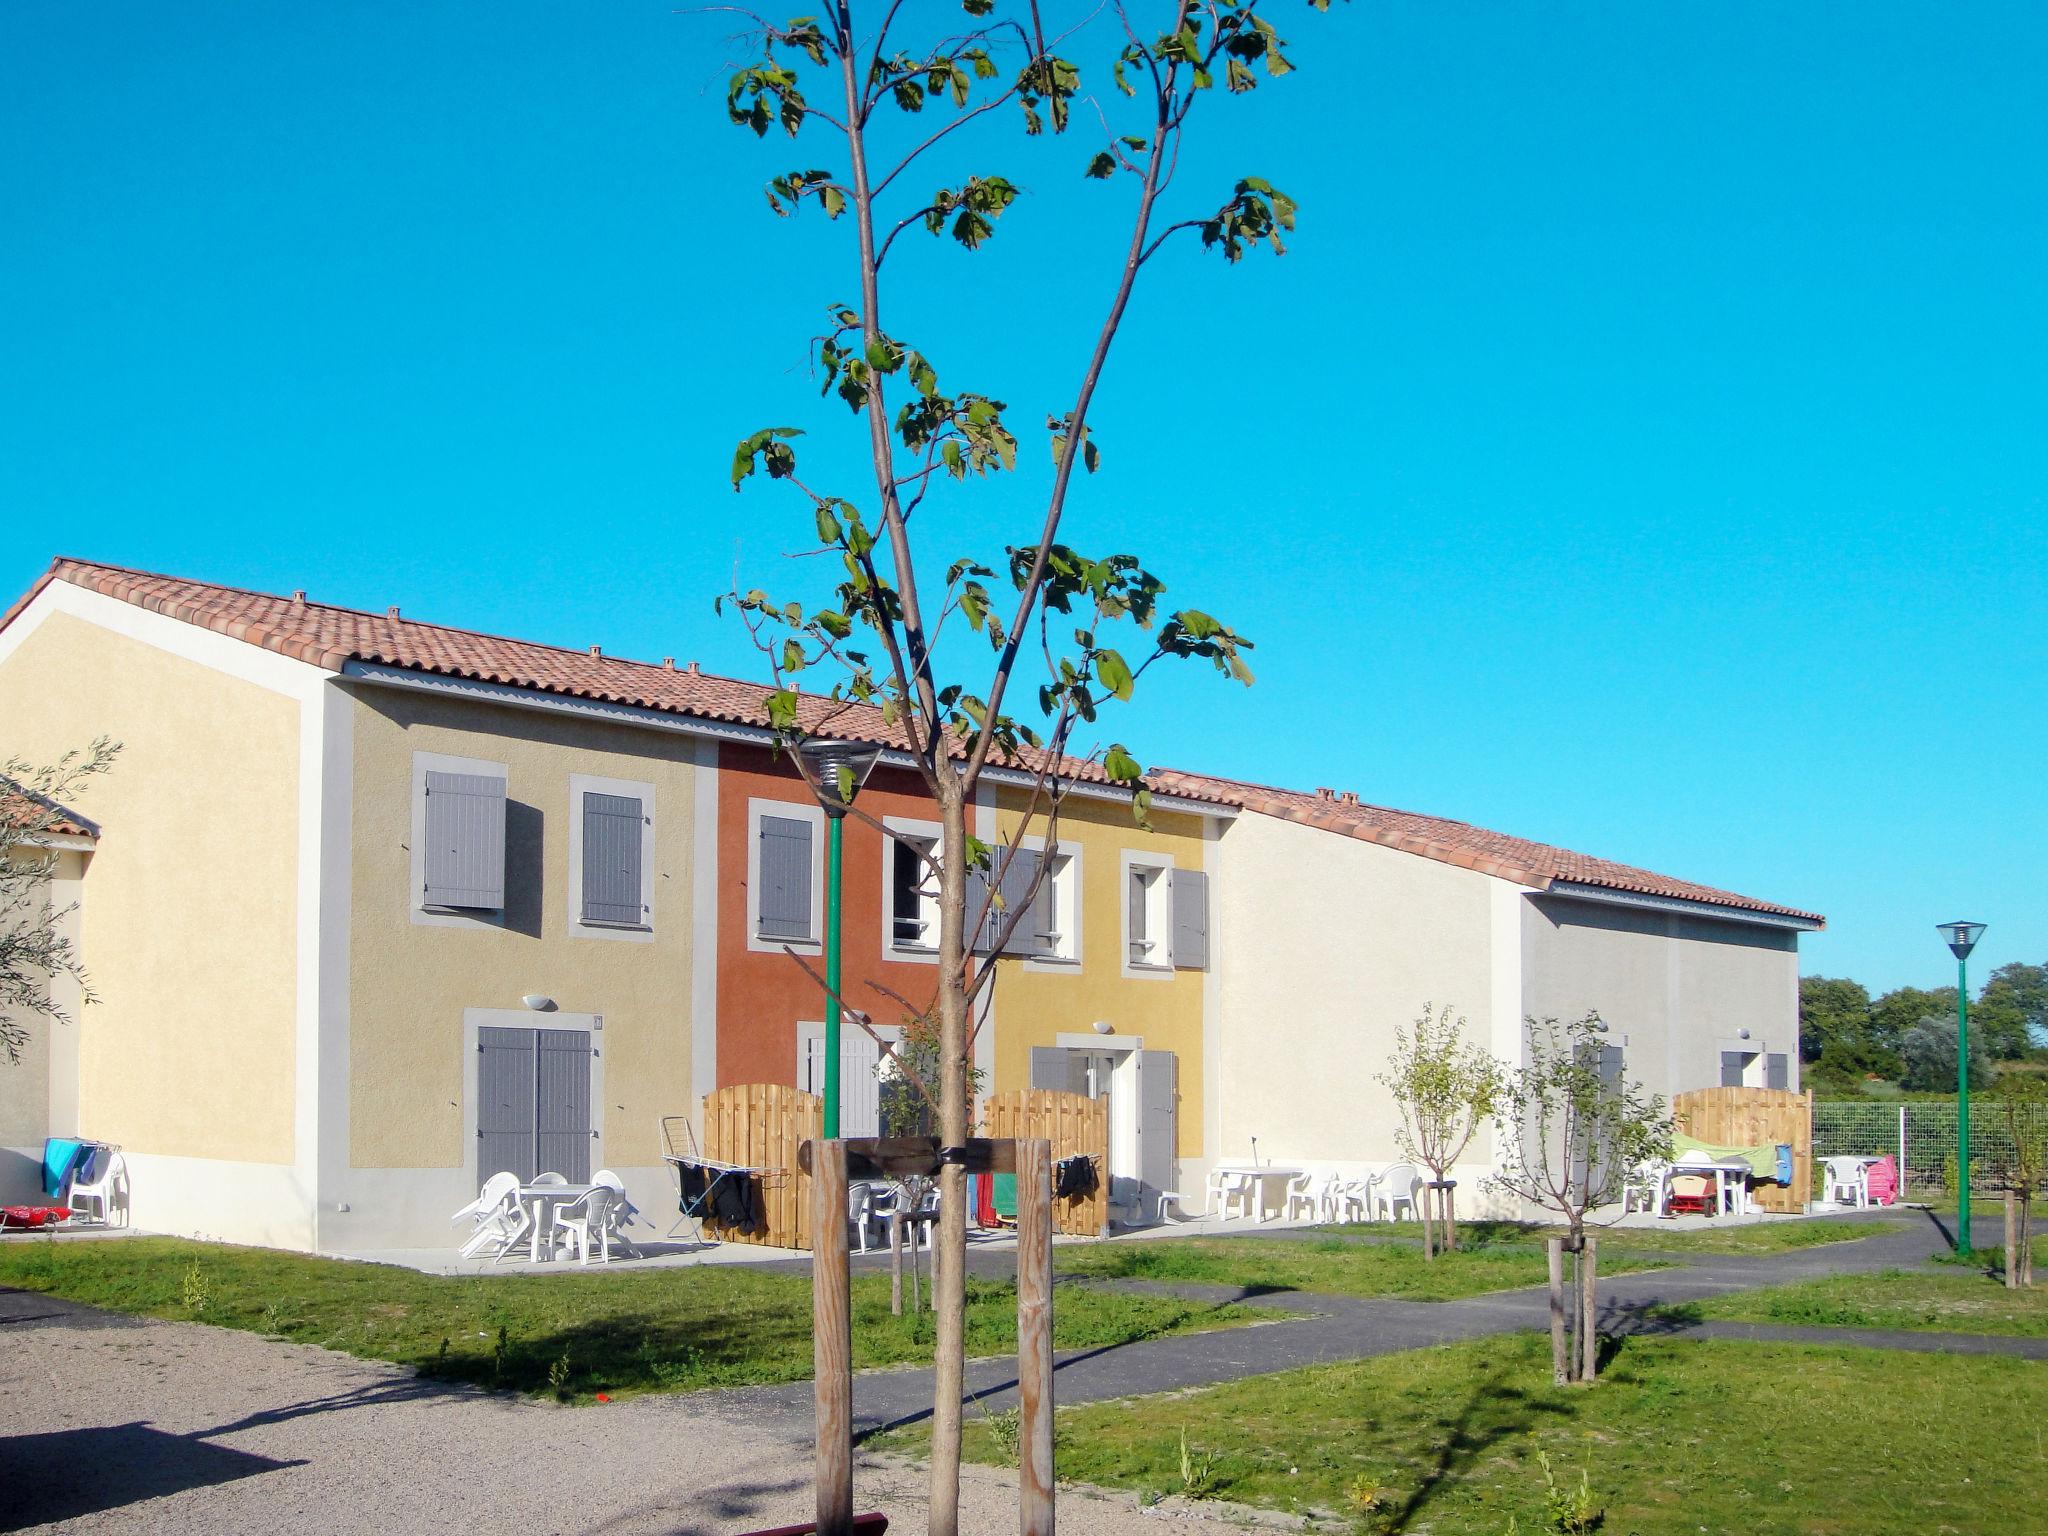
[
  {"x": 835, "y": 771},
  {"x": 538, "y": 1002},
  {"x": 1104, "y": 1027}
]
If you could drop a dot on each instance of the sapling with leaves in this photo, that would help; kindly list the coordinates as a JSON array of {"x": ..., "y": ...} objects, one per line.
[
  {"x": 1082, "y": 625},
  {"x": 1445, "y": 1088},
  {"x": 2021, "y": 1104},
  {"x": 34, "y": 949},
  {"x": 1568, "y": 1132}
]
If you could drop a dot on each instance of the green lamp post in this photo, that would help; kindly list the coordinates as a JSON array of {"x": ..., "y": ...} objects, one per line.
[
  {"x": 1962, "y": 938},
  {"x": 835, "y": 770}
]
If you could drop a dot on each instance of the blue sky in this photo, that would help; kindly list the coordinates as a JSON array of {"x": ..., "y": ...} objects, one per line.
[{"x": 1642, "y": 446}]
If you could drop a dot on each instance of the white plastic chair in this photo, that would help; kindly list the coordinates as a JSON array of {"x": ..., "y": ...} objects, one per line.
[
  {"x": 1645, "y": 1184},
  {"x": 860, "y": 1210},
  {"x": 587, "y": 1221},
  {"x": 1304, "y": 1192},
  {"x": 1352, "y": 1197},
  {"x": 622, "y": 1213},
  {"x": 498, "y": 1216},
  {"x": 550, "y": 1178},
  {"x": 1847, "y": 1182},
  {"x": 1397, "y": 1187},
  {"x": 106, "y": 1193},
  {"x": 1227, "y": 1189}
]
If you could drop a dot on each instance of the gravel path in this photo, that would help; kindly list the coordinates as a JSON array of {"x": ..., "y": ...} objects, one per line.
[{"x": 118, "y": 1424}]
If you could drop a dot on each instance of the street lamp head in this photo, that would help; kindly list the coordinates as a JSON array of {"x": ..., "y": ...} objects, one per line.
[
  {"x": 836, "y": 769},
  {"x": 1961, "y": 937}
]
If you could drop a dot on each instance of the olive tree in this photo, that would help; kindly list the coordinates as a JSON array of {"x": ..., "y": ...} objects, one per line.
[
  {"x": 933, "y": 639},
  {"x": 1569, "y": 1130},
  {"x": 34, "y": 949},
  {"x": 1445, "y": 1088}
]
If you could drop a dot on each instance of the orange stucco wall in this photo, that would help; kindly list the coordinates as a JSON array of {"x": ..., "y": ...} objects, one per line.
[{"x": 763, "y": 996}]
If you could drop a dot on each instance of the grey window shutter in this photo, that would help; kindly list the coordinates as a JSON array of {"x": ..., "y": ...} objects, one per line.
[
  {"x": 1140, "y": 951},
  {"x": 1158, "y": 1129},
  {"x": 1049, "y": 1067},
  {"x": 465, "y": 852},
  {"x": 1777, "y": 1070},
  {"x": 1611, "y": 1062},
  {"x": 505, "y": 1103},
  {"x": 1044, "y": 919},
  {"x": 785, "y": 895},
  {"x": 1731, "y": 1069},
  {"x": 612, "y": 827},
  {"x": 1190, "y": 889},
  {"x": 562, "y": 1110},
  {"x": 1019, "y": 870}
]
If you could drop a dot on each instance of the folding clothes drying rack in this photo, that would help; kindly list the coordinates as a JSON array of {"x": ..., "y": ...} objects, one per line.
[{"x": 684, "y": 1152}]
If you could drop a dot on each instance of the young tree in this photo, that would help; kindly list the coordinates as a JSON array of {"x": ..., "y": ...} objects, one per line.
[
  {"x": 884, "y": 103},
  {"x": 1569, "y": 1131},
  {"x": 2022, "y": 1108},
  {"x": 33, "y": 949},
  {"x": 1446, "y": 1089}
]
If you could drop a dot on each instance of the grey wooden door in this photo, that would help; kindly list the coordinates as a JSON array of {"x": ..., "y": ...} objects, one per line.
[{"x": 533, "y": 1102}]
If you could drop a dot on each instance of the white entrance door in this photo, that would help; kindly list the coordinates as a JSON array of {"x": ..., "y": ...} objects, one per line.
[{"x": 860, "y": 1086}]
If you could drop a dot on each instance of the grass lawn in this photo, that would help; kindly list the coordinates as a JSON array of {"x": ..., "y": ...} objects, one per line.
[
  {"x": 1948, "y": 1299},
  {"x": 574, "y": 1334},
  {"x": 1680, "y": 1436},
  {"x": 1333, "y": 1265}
]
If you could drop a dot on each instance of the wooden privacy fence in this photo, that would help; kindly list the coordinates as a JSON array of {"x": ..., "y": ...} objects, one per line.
[
  {"x": 1750, "y": 1117},
  {"x": 761, "y": 1125},
  {"x": 1076, "y": 1126}
]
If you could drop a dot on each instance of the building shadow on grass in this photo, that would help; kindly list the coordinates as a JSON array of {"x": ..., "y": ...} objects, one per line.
[{"x": 66, "y": 1474}]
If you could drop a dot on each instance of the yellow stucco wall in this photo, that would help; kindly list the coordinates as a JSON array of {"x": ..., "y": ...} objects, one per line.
[
  {"x": 409, "y": 983},
  {"x": 190, "y": 910},
  {"x": 1037, "y": 1001}
]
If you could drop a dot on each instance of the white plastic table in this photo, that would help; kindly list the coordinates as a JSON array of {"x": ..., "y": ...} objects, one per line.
[
  {"x": 1259, "y": 1173},
  {"x": 1722, "y": 1174},
  {"x": 540, "y": 1201}
]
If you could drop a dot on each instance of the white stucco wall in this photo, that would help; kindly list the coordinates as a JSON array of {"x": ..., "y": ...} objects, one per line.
[
  {"x": 1323, "y": 946},
  {"x": 1674, "y": 988}
]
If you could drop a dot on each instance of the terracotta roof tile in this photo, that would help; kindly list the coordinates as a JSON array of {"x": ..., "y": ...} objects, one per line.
[
  {"x": 330, "y": 637},
  {"x": 24, "y": 813},
  {"x": 1458, "y": 842}
]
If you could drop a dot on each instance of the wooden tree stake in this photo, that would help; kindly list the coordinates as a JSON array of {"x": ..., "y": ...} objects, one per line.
[
  {"x": 1034, "y": 1338},
  {"x": 832, "y": 1332},
  {"x": 2015, "y": 1261},
  {"x": 1589, "y": 1337},
  {"x": 1558, "y": 1363}
]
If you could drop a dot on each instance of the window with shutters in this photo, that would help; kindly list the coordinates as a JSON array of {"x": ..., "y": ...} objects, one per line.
[
  {"x": 910, "y": 889},
  {"x": 785, "y": 875},
  {"x": 1147, "y": 884},
  {"x": 1055, "y": 920},
  {"x": 611, "y": 858},
  {"x": 457, "y": 847}
]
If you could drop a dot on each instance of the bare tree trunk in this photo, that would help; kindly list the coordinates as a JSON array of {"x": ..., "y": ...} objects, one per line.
[
  {"x": 949, "y": 1249},
  {"x": 1589, "y": 1284},
  {"x": 1558, "y": 1359}
]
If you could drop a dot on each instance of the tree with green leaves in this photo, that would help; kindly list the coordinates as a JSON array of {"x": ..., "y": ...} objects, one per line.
[
  {"x": 1929, "y": 1053},
  {"x": 1445, "y": 1088},
  {"x": 1894, "y": 1014},
  {"x": 2021, "y": 1107},
  {"x": 1567, "y": 1137},
  {"x": 34, "y": 949},
  {"x": 897, "y": 114},
  {"x": 2012, "y": 1011}
]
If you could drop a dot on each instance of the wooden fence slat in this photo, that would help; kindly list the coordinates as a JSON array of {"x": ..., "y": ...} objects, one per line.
[
  {"x": 1748, "y": 1117},
  {"x": 1074, "y": 1125},
  {"x": 761, "y": 1125}
]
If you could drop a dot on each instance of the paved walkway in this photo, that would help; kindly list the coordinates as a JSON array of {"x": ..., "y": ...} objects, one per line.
[{"x": 116, "y": 1424}]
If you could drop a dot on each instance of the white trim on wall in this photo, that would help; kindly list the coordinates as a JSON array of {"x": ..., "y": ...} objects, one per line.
[
  {"x": 906, "y": 954},
  {"x": 704, "y": 931},
  {"x": 416, "y": 908},
  {"x": 1159, "y": 908},
  {"x": 642, "y": 932},
  {"x": 326, "y": 924},
  {"x": 793, "y": 810}
]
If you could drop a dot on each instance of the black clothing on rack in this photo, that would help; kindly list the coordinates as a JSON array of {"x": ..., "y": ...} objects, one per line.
[{"x": 1073, "y": 1177}]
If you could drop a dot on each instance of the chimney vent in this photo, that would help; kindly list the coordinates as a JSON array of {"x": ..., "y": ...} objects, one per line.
[
  {"x": 668, "y": 663},
  {"x": 299, "y": 596},
  {"x": 1323, "y": 793},
  {"x": 391, "y": 612},
  {"x": 693, "y": 669},
  {"x": 1349, "y": 797},
  {"x": 597, "y": 650}
]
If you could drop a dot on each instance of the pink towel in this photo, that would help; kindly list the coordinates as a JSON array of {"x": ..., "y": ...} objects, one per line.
[{"x": 1883, "y": 1179}]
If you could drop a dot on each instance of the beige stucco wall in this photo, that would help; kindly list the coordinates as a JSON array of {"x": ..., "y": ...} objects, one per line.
[
  {"x": 1325, "y": 946},
  {"x": 410, "y": 982},
  {"x": 39, "y": 1091},
  {"x": 1671, "y": 986},
  {"x": 1036, "y": 1002},
  {"x": 191, "y": 903}
]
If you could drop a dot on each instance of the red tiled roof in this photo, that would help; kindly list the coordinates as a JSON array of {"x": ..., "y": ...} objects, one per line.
[
  {"x": 24, "y": 813},
  {"x": 330, "y": 637},
  {"x": 1457, "y": 842}
]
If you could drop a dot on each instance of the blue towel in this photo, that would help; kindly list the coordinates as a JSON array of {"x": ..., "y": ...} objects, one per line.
[
  {"x": 1784, "y": 1164},
  {"x": 59, "y": 1154}
]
